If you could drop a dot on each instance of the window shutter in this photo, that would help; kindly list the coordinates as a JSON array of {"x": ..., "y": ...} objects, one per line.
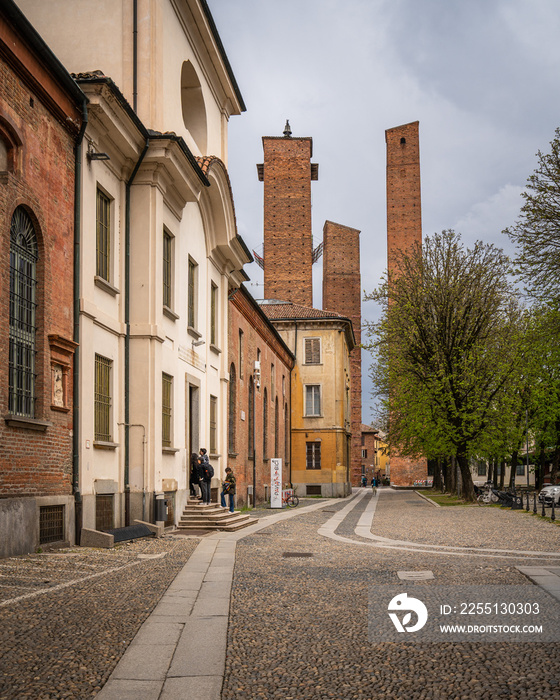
[{"x": 312, "y": 351}]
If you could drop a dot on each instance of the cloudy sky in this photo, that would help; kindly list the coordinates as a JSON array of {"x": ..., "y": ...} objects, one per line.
[{"x": 481, "y": 76}]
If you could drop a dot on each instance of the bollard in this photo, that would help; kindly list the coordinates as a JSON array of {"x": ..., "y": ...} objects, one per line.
[
  {"x": 535, "y": 503},
  {"x": 552, "y": 516},
  {"x": 527, "y": 508},
  {"x": 543, "y": 510}
]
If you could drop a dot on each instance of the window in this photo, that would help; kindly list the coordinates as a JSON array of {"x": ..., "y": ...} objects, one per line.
[
  {"x": 272, "y": 382},
  {"x": 286, "y": 436},
  {"x": 276, "y": 427},
  {"x": 265, "y": 424},
  {"x": 313, "y": 400},
  {"x": 481, "y": 469},
  {"x": 192, "y": 300},
  {"x": 240, "y": 354},
  {"x": 103, "y": 241},
  {"x": 102, "y": 418},
  {"x": 23, "y": 305},
  {"x": 232, "y": 409},
  {"x": 364, "y": 453},
  {"x": 167, "y": 269},
  {"x": 313, "y": 456},
  {"x": 213, "y": 425},
  {"x": 51, "y": 524},
  {"x": 166, "y": 409},
  {"x": 250, "y": 422},
  {"x": 312, "y": 351},
  {"x": 520, "y": 470},
  {"x": 213, "y": 314}
]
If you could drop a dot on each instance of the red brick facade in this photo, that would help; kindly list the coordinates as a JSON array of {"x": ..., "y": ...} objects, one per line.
[
  {"x": 342, "y": 293},
  {"x": 252, "y": 336},
  {"x": 39, "y": 124},
  {"x": 288, "y": 242},
  {"x": 404, "y": 229}
]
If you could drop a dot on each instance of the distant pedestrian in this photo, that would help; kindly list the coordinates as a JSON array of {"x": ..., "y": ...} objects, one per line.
[
  {"x": 364, "y": 480},
  {"x": 194, "y": 477},
  {"x": 374, "y": 485},
  {"x": 228, "y": 488},
  {"x": 207, "y": 473}
]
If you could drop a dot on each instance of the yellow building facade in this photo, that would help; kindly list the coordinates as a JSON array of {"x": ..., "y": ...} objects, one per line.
[{"x": 321, "y": 342}]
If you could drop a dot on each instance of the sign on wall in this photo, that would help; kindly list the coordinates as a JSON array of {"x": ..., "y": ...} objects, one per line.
[{"x": 276, "y": 483}]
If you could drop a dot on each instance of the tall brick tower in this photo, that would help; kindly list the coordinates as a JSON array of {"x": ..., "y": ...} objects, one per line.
[
  {"x": 342, "y": 293},
  {"x": 404, "y": 229},
  {"x": 287, "y": 173}
]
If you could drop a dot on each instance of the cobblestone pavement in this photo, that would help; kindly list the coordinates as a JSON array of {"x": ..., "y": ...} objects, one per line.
[
  {"x": 298, "y": 624},
  {"x": 67, "y": 617}
]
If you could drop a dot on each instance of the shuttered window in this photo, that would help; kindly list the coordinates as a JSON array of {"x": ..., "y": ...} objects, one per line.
[
  {"x": 312, "y": 351},
  {"x": 313, "y": 455}
]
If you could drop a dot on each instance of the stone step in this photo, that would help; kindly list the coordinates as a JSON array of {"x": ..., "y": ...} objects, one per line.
[{"x": 232, "y": 526}]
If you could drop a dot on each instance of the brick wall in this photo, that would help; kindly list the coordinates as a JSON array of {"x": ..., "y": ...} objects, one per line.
[
  {"x": 288, "y": 242},
  {"x": 404, "y": 229},
  {"x": 342, "y": 293},
  {"x": 39, "y": 177},
  {"x": 257, "y": 334}
]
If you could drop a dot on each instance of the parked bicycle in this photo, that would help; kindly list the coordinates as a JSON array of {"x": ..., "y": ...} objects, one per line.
[{"x": 289, "y": 498}]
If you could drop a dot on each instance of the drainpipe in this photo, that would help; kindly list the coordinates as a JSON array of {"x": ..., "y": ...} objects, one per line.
[
  {"x": 135, "y": 55},
  {"x": 76, "y": 338},
  {"x": 127, "y": 340}
]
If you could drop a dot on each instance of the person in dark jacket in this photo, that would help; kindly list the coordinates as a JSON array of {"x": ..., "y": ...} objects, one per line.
[
  {"x": 194, "y": 476},
  {"x": 228, "y": 488},
  {"x": 207, "y": 472}
]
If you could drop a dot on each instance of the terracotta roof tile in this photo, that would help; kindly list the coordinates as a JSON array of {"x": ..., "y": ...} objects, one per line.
[{"x": 287, "y": 310}]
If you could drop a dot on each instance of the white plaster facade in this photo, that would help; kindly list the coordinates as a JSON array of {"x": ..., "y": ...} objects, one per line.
[{"x": 174, "y": 147}]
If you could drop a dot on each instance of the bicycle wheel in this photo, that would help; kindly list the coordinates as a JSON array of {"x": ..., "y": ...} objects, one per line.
[{"x": 292, "y": 501}]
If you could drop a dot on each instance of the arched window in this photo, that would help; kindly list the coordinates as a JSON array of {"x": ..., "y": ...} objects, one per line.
[
  {"x": 250, "y": 422},
  {"x": 286, "y": 436},
  {"x": 276, "y": 427},
  {"x": 265, "y": 424},
  {"x": 23, "y": 293},
  {"x": 232, "y": 409}
]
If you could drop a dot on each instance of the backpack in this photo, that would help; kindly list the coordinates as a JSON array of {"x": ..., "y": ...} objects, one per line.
[{"x": 208, "y": 470}]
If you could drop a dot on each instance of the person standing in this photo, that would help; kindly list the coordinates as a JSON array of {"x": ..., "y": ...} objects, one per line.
[
  {"x": 228, "y": 487},
  {"x": 194, "y": 477},
  {"x": 207, "y": 473}
]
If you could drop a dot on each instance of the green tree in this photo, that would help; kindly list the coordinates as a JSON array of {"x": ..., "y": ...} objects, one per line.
[
  {"x": 536, "y": 233},
  {"x": 445, "y": 348}
]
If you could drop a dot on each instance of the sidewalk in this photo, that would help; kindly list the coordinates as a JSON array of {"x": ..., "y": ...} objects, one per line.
[{"x": 180, "y": 651}]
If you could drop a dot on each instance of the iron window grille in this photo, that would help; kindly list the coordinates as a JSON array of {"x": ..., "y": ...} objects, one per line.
[
  {"x": 166, "y": 409},
  {"x": 232, "y": 412},
  {"x": 102, "y": 412},
  {"x": 313, "y": 455},
  {"x": 167, "y": 269},
  {"x": 51, "y": 524},
  {"x": 265, "y": 424},
  {"x": 22, "y": 322},
  {"x": 103, "y": 240}
]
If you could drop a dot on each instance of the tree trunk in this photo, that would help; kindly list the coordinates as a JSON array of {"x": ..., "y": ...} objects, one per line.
[
  {"x": 513, "y": 468},
  {"x": 490, "y": 476},
  {"x": 451, "y": 481},
  {"x": 437, "y": 475},
  {"x": 467, "y": 492},
  {"x": 542, "y": 464},
  {"x": 502, "y": 474}
]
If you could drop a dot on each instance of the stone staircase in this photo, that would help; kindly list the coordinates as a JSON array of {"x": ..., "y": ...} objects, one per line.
[{"x": 197, "y": 516}]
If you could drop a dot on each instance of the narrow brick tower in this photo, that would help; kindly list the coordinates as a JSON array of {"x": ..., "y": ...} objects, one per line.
[
  {"x": 287, "y": 173},
  {"x": 404, "y": 229},
  {"x": 342, "y": 293}
]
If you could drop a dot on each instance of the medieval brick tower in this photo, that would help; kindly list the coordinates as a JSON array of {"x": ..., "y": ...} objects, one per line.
[
  {"x": 342, "y": 293},
  {"x": 404, "y": 229},
  {"x": 287, "y": 173}
]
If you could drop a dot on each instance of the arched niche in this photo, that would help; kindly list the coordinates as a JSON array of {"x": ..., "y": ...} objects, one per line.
[{"x": 192, "y": 102}]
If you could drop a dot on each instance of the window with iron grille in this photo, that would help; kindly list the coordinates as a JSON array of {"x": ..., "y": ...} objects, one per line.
[
  {"x": 191, "y": 294},
  {"x": 232, "y": 409},
  {"x": 312, "y": 351},
  {"x": 51, "y": 524},
  {"x": 312, "y": 399},
  {"x": 265, "y": 424},
  {"x": 213, "y": 425},
  {"x": 23, "y": 305},
  {"x": 104, "y": 511},
  {"x": 213, "y": 314},
  {"x": 276, "y": 427},
  {"x": 240, "y": 354},
  {"x": 103, "y": 241},
  {"x": 102, "y": 399},
  {"x": 313, "y": 458},
  {"x": 250, "y": 413},
  {"x": 167, "y": 269},
  {"x": 166, "y": 409}
]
